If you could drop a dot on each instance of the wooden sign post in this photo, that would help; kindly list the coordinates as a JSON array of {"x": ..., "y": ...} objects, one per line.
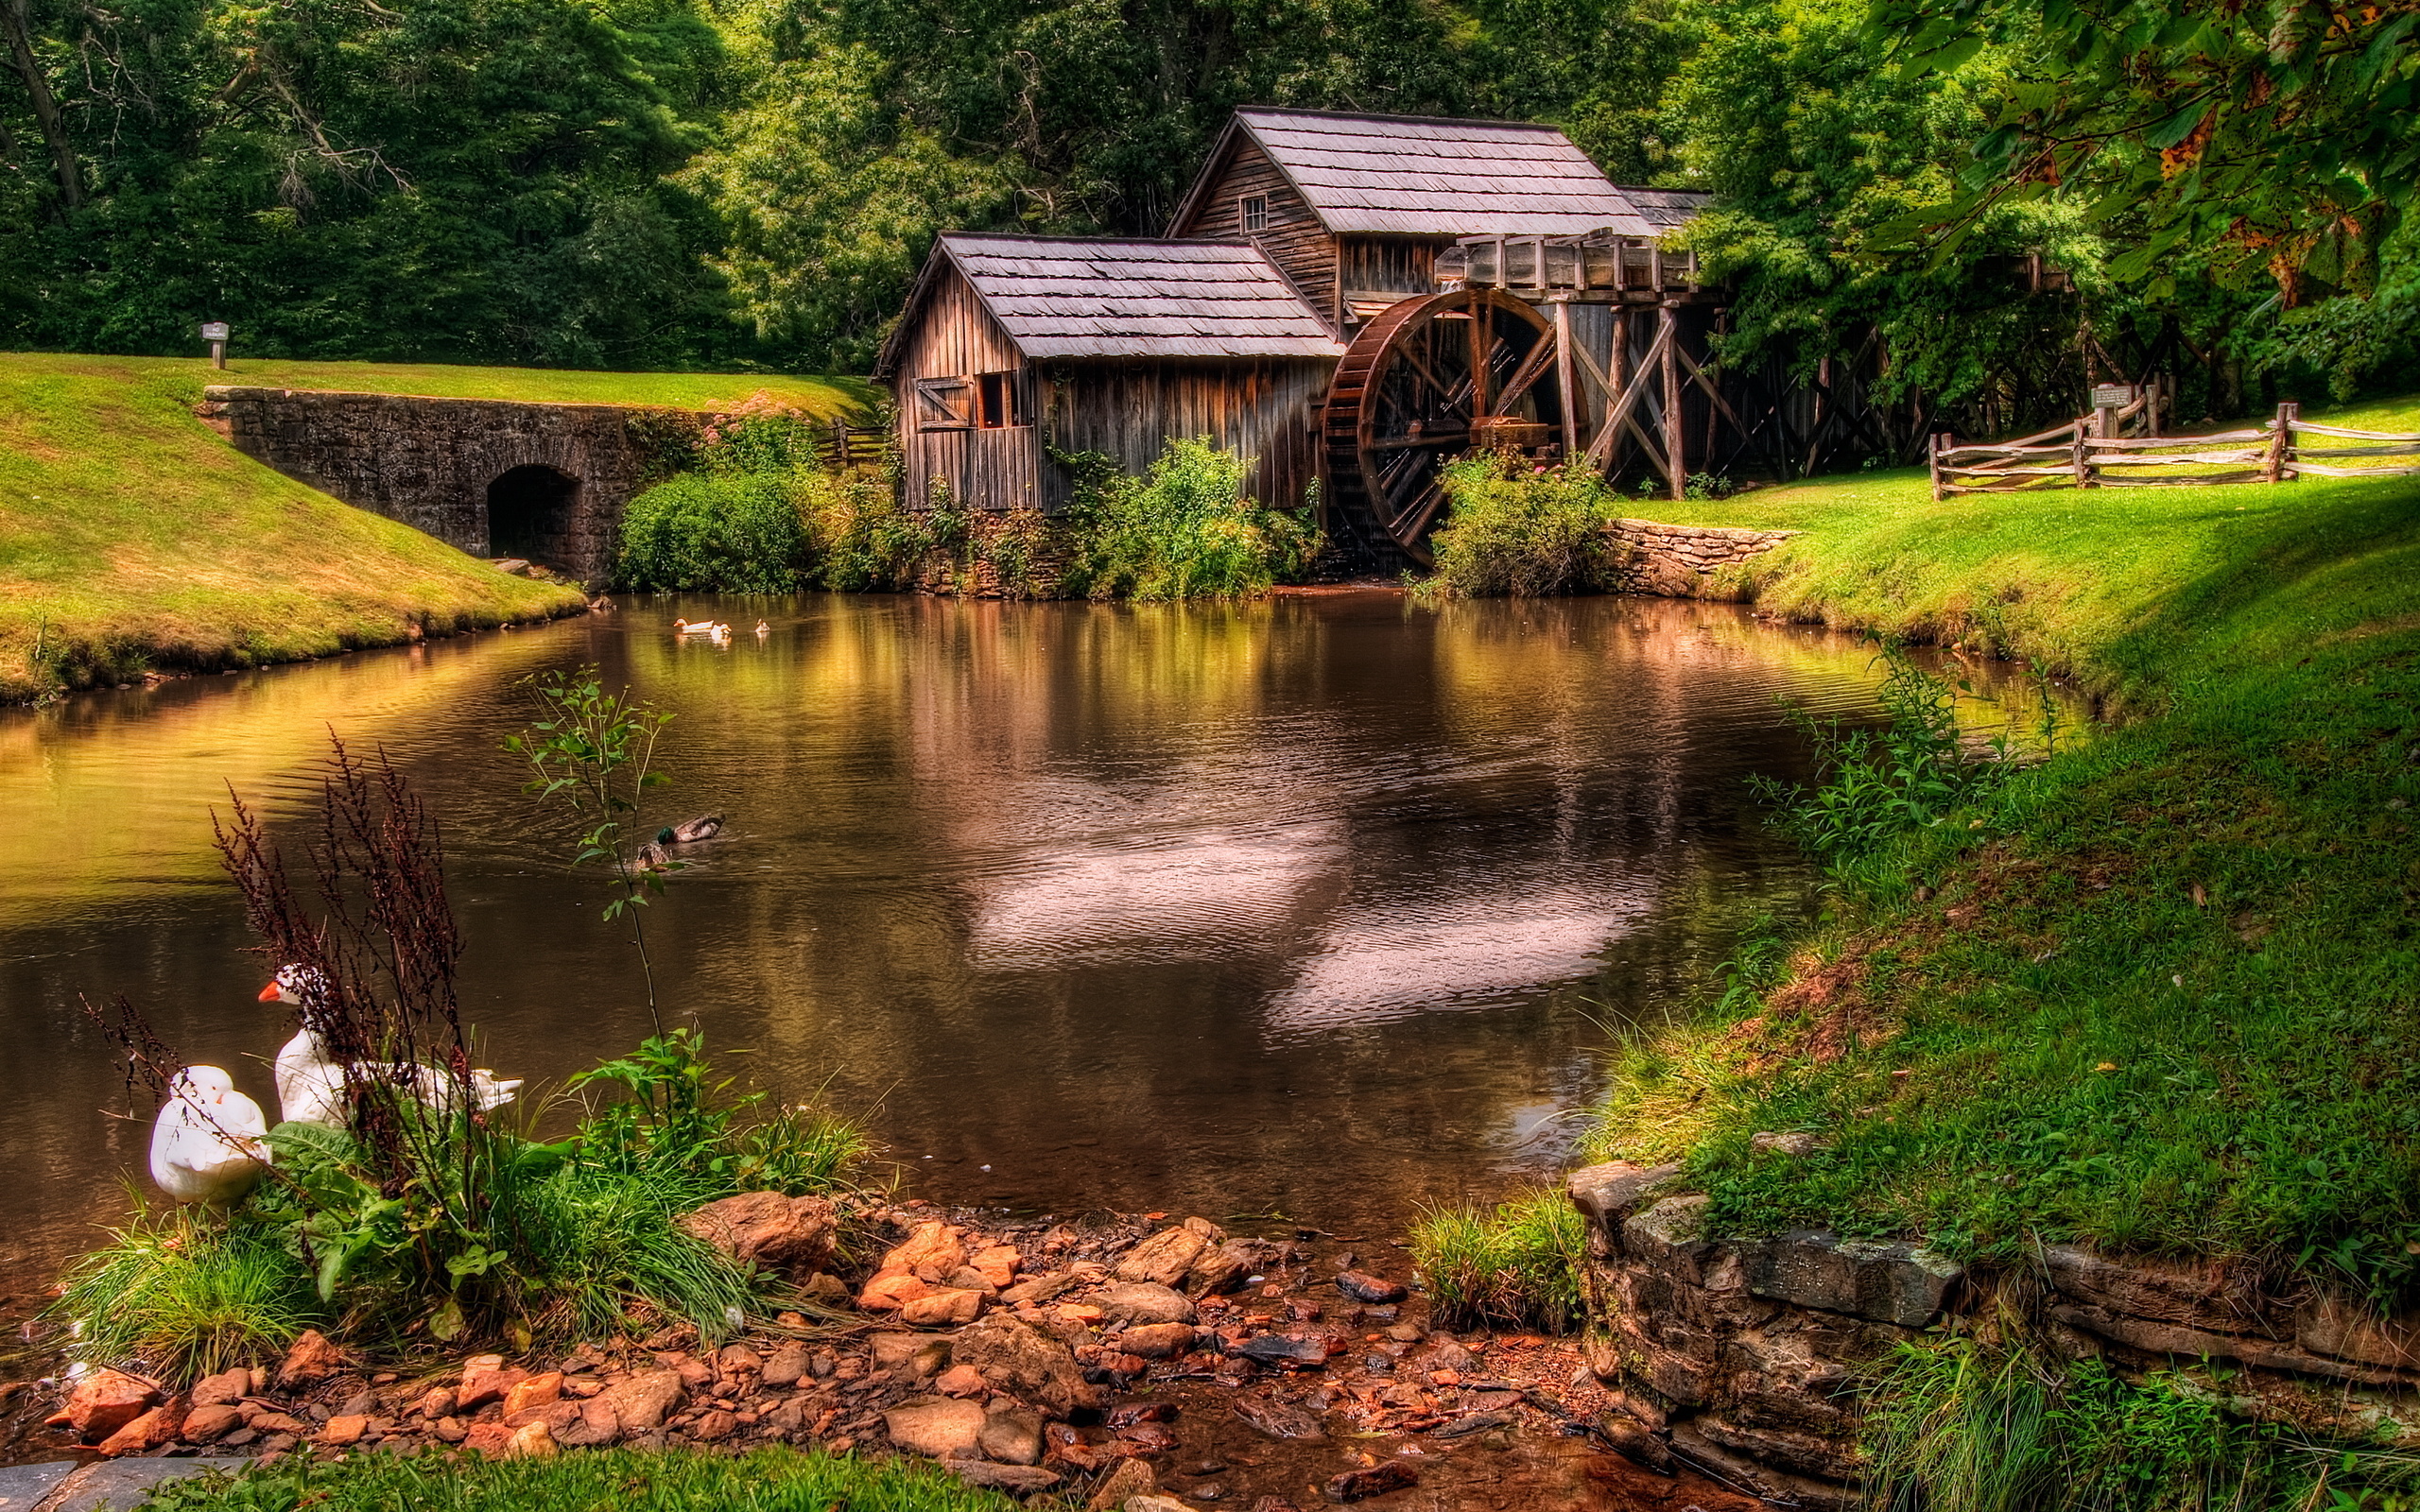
[{"x": 215, "y": 332}]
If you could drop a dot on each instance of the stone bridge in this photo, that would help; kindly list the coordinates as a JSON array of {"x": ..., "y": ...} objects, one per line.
[{"x": 493, "y": 477}]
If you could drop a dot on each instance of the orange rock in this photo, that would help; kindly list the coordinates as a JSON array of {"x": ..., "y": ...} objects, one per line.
[
  {"x": 961, "y": 1380},
  {"x": 486, "y": 1377},
  {"x": 1079, "y": 1313},
  {"x": 207, "y": 1425},
  {"x": 224, "y": 1389},
  {"x": 537, "y": 1391},
  {"x": 145, "y": 1434},
  {"x": 932, "y": 1250},
  {"x": 311, "y": 1359},
  {"x": 107, "y": 1400},
  {"x": 892, "y": 1290},
  {"x": 488, "y": 1438},
  {"x": 534, "y": 1441},
  {"x": 1446, "y": 1378},
  {"x": 946, "y": 1308},
  {"x": 345, "y": 1428},
  {"x": 997, "y": 1266}
]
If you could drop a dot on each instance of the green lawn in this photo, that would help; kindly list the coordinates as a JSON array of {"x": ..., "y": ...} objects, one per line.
[
  {"x": 132, "y": 538},
  {"x": 822, "y": 397},
  {"x": 2159, "y": 992},
  {"x": 772, "y": 1480}
]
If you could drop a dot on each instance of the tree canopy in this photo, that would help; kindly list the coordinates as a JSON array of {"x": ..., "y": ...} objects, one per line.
[{"x": 752, "y": 182}]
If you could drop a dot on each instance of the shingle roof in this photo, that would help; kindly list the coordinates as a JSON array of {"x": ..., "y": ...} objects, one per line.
[
  {"x": 1095, "y": 297},
  {"x": 1667, "y": 208},
  {"x": 1439, "y": 178}
]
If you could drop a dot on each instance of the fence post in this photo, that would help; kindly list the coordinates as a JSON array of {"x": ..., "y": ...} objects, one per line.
[
  {"x": 2083, "y": 468},
  {"x": 1932, "y": 460},
  {"x": 2281, "y": 442}
]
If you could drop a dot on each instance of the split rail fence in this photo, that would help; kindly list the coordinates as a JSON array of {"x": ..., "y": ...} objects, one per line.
[
  {"x": 2086, "y": 453},
  {"x": 840, "y": 446}
]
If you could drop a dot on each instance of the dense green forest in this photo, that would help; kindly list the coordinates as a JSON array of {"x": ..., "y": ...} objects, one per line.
[{"x": 737, "y": 184}]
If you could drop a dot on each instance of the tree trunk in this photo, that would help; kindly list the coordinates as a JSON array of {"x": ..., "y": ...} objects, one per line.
[{"x": 54, "y": 130}]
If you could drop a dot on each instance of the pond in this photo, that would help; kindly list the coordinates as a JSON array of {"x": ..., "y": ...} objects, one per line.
[{"x": 1322, "y": 906}]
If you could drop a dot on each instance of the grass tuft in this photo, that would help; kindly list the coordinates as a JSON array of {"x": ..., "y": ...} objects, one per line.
[
  {"x": 1518, "y": 1267},
  {"x": 186, "y": 1296}
]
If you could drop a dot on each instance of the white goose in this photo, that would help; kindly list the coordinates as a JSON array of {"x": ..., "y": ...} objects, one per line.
[
  {"x": 310, "y": 1086},
  {"x": 205, "y": 1147}
]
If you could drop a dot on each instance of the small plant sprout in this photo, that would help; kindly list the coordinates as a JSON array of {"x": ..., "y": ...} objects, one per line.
[{"x": 595, "y": 752}]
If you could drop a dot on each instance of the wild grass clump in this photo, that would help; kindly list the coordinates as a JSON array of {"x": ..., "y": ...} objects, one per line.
[
  {"x": 1959, "y": 1424},
  {"x": 863, "y": 538},
  {"x": 188, "y": 1294},
  {"x": 1515, "y": 1267},
  {"x": 1874, "y": 785},
  {"x": 763, "y": 1479},
  {"x": 1517, "y": 531},
  {"x": 1187, "y": 529}
]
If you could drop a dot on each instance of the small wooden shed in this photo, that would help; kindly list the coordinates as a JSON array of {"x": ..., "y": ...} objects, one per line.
[
  {"x": 1011, "y": 346},
  {"x": 1356, "y": 208}
]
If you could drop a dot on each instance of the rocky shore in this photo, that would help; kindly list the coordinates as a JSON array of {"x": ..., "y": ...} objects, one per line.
[{"x": 1118, "y": 1361}]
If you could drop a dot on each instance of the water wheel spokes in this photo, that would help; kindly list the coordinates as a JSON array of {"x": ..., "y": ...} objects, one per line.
[{"x": 1423, "y": 384}]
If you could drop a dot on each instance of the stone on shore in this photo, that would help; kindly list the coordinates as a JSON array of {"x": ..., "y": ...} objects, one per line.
[
  {"x": 207, "y": 1425},
  {"x": 939, "y": 1428},
  {"x": 486, "y": 1377},
  {"x": 1017, "y": 1480},
  {"x": 1164, "y": 1258},
  {"x": 640, "y": 1403},
  {"x": 947, "y": 1308},
  {"x": 107, "y": 1400},
  {"x": 1157, "y": 1341},
  {"x": 1144, "y": 1302},
  {"x": 224, "y": 1389},
  {"x": 149, "y": 1432},
  {"x": 769, "y": 1231},
  {"x": 933, "y": 1250},
  {"x": 1131, "y": 1478},
  {"x": 311, "y": 1359},
  {"x": 1024, "y": 1362}
]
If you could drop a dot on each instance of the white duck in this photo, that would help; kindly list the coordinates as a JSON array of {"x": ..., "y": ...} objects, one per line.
[
  {"x": 706, "y": 627},
  {"x": 206, "y": 1145},
  {"x": 310, "y": 1085}
]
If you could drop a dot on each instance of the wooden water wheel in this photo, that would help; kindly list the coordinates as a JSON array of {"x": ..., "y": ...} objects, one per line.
[{"x": 1427, "y": 380}]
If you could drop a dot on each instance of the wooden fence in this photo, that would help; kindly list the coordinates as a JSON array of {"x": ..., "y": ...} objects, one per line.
[
  {"x": 2086, "y": 453},
  {"x": 840, "y": 446}
]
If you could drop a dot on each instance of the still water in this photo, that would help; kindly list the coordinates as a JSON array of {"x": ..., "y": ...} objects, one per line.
[{"x": 1319, "y": 907}]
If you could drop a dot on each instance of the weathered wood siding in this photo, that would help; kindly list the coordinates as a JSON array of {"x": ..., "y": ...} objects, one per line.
[
  {"x": 1295, "y": 240},
  {"x": 1397, "y": 265},
  {"x": 1129, "y": 410},
  {"x": 956, "y": 337}
]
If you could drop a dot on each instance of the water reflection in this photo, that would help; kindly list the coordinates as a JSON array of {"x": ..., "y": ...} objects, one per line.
[{"x": 1135, "y": 907}]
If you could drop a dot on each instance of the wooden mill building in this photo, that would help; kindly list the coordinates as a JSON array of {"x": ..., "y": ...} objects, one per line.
[{"x": 1299, "y": 300}]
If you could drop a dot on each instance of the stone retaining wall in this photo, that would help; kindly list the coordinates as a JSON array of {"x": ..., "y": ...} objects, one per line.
[
  {"x": 1680, "y": 562},
  {"x": 432, "y": 463},
  {"x": 1745, "y": 1357}
]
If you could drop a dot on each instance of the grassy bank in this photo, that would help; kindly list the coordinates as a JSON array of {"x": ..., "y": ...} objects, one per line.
[
  {"x": 135, "y": 540},
  {"x": 770, "y": 1480},
  {"x": 2157, "y": 993}
]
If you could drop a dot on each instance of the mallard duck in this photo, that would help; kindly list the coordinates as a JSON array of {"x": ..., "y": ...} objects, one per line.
[
  {"x": 310, "y": 1084},
  {"x": 205, "y": 1146},
  {"x": 705, "y": 827}
]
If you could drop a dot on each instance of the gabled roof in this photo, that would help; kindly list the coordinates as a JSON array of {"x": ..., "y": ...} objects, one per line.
[
  {"x": 1423, "y": 176},
  {"x": 1098, "y": 297}
]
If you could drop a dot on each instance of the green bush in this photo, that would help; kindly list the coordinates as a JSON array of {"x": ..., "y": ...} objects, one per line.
[
  {"x": 763, "y": 1479},
  {"x": 1512, "y": 531},
  {"x": 862, "y": 537},
  {"x": 1517, "y": 1267},
  {"x": 716, "y": 532},
  {"x": 1185, "y": 529}
]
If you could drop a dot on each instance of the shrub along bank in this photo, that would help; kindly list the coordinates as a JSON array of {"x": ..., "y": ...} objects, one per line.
[
  {"x": 2153, "y": 993},
  {"x": 757, "y": 514}
]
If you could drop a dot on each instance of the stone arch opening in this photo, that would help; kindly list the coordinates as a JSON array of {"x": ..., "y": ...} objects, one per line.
[{"x": 534, "y": 513}]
